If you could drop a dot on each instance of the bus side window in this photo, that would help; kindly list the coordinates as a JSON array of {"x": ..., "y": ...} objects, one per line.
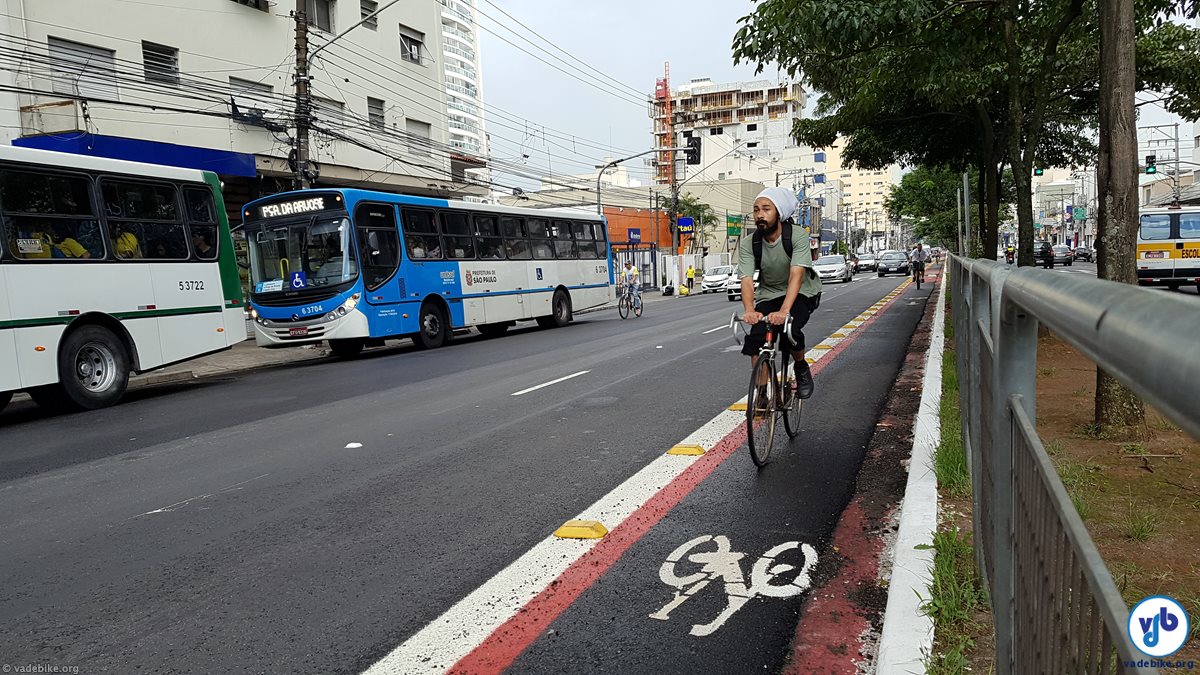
[
  {"x": 1189, "y": 225},
  {"x": 601, "y": 241},
  {"x": 202, "y": 223},
  {"x": 150, "y": 212},
  {"x": 539, "y": 236},
  {"x": 421, "y": 235},
  {"x": 378, "y": 243},
  {"x": 487, "y": 233},
  {"x": 49, "y": 216},
  {"x": 515, "y": 243},
  {"x": 584, "y": 239},
  {"x": 456, "y": 235},
  {"x": 564, "y": 245}
]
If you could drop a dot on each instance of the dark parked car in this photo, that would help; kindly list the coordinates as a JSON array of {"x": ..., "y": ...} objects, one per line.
[
  {"x": 1043, "y": 253},
  {"x": 1085, "y": 253},
  {"x": 891, "y": 262}
]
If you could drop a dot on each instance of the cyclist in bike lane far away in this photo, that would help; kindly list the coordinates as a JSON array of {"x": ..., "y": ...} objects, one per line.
[
  {"x": 787, "y": 282},
  {"x": 629, "y": 276},
  {"x": 918, "y": 257}
]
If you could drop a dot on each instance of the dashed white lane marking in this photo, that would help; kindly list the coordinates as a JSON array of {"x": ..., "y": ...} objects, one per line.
[
  {"x": 454, "y": 634},
  {"x": 547, "y": 384},
  {"x": 713, "y": 330}
]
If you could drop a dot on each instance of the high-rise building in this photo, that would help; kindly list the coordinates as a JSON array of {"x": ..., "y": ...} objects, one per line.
[{"x": 462, "y": 68}]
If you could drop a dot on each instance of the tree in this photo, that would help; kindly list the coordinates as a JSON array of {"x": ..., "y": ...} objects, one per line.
[
  {"x": 957, "y": 83},
  {"x": 1116, "y": 175}
]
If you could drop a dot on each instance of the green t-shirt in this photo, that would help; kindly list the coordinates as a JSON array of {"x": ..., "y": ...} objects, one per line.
[{"x": 773, "y": 277}]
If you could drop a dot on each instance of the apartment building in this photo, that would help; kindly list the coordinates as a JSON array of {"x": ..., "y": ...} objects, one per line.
[{"x": 210, "y": 84}]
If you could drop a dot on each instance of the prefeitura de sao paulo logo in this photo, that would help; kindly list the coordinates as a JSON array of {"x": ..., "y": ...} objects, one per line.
[{"x": 1159, "y": 626}]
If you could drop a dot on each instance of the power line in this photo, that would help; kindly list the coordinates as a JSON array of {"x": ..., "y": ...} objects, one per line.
[{"x": 614, "y": 80}]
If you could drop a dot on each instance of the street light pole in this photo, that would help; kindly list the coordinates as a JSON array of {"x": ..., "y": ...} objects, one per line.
[{"x": 606, "y": 167}]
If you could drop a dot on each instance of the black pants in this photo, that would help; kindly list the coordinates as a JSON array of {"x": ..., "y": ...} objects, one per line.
[
  {"x": 691, "y": 281},
  {"x": 802, "y": 309}
]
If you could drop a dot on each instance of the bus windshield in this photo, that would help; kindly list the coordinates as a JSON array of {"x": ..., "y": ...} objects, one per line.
[{"x": 313, "y": 253}]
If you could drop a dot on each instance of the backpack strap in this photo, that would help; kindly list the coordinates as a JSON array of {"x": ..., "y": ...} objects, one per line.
[{"x": 757, "y": 242}]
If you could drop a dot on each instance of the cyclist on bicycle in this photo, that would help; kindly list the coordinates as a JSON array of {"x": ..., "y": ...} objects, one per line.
[
  {"x": 787, "y": 284},
  {"x": 629, "y": 277},
  {"x": 918, "y": 257}
]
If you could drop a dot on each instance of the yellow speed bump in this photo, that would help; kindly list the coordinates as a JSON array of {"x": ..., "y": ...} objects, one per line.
[
  {"x": 740, "y": 407},
  {"x": 808, "y": 359},
  {"x": 823, "y": 346},
  {"x": 838, "y": 335},
  {"x": 581, "y": 529},
  {"x": 686, "y": 449}
]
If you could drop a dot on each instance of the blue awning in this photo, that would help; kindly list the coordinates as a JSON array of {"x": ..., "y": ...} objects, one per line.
[{"x": 222, "y": 162}]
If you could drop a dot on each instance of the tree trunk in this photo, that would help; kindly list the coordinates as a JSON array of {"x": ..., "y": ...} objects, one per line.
[{"x": 1117, "y": 175}]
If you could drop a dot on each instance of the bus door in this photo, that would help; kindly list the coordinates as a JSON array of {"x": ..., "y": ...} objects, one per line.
[{"x": 378, "y": 241}]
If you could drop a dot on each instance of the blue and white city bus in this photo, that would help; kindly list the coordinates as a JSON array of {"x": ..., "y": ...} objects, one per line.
[{"x": 356, "y": 267}]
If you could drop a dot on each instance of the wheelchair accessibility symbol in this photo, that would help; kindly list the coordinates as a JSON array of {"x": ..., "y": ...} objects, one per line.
[
  {"x": 717, "y": 560},
  {"x": 298, "y": 280}
]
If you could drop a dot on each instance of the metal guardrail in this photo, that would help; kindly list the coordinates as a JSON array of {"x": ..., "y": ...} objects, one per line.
[{"x": 1055, "y": 606}]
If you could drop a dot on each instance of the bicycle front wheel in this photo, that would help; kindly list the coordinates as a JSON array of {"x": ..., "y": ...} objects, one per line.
[
  {"x": 761, "y": 402},
  {"x": 789, "y": 402},
  {"x": 623, "y": 307}
]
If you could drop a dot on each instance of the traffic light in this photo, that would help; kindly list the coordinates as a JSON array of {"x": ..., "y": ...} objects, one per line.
[
  {"x": 693, "y": 150},
  {"x": 1151, "y": 165},
  {"x": 1038, "y": 171}
]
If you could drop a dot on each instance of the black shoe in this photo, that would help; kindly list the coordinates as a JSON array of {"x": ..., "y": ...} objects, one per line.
[{"x": 804, "y": 380}]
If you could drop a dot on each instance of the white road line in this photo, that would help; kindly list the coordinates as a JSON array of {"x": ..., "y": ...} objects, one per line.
[
  {"x": 444, "y": 641},
  {"x": 547, "y": 384},
  {"x": 715, "y": 329}
]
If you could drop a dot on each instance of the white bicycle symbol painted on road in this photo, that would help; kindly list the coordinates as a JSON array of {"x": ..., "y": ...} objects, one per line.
[{"x": 725, "y": 564}]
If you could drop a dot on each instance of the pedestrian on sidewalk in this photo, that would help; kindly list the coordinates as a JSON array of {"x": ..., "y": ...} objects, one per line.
[{"x": 691, "y": 277}]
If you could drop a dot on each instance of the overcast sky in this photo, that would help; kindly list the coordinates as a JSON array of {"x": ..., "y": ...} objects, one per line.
[{"x": 627, "y": 40}]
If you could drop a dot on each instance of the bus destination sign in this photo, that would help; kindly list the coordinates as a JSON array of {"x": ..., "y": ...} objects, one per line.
[{"x": 297, "y": 207}]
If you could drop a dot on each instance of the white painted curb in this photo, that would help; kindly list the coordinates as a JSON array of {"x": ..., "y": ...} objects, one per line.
[{"x": 908, "y": 633}]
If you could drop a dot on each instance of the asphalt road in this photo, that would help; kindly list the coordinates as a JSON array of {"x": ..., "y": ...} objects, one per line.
[{"x": 310, "y": 519}]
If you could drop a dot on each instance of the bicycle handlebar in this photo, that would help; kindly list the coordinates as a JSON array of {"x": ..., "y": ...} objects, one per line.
[{"x": 736, "y": 324}]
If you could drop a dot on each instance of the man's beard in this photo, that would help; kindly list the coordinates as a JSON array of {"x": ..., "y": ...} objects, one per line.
[{"x": 764, "y": 227}]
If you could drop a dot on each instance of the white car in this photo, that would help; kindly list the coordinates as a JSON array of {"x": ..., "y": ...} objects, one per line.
[
  {"x": 733, "y": 287},
  {"x": 834, "y": 268},
  {"x": 714, "y": 280}
]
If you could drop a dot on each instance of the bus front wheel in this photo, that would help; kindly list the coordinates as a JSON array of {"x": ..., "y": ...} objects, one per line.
[
  {"x": 560, "y": 308},
  {"x": 5, "y": 397},
  {"x": 93, "y": 372},
  {"x": 433, "y": 329},
  {"x": 347, "y": 348}
]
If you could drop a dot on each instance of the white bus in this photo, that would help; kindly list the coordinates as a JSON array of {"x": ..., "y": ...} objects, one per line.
[{"x": 108, "y": 268}]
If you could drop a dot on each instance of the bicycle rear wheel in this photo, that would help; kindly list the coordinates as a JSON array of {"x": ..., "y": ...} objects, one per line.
[
  {"x": 623, "y": 307},
  {"x": 791, "y": 405},
  {"x": 760, "y": 410}
]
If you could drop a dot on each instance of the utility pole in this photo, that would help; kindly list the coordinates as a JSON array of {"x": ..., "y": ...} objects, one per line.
[
  {"x": 966, "y": 193},
  {"x": 303, "y": 95},
  {"x": 1176, "y": 181},
  {"x": 958, "y": 206}
]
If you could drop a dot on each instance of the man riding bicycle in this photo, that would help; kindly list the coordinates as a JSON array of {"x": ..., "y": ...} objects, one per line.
[
  {"x": 918, "y": 257},
  {"x": 631, "y": 280},
  {"x": 787, "y": 283}
]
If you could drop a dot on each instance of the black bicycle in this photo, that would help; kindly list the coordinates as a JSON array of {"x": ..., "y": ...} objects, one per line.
[
  {"x": 629, "y": 302},
  {"x": 772, "y": 393}
]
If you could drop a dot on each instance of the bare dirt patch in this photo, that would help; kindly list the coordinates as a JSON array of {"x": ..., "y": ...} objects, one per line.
[{"x": 1137, "y": 489}]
